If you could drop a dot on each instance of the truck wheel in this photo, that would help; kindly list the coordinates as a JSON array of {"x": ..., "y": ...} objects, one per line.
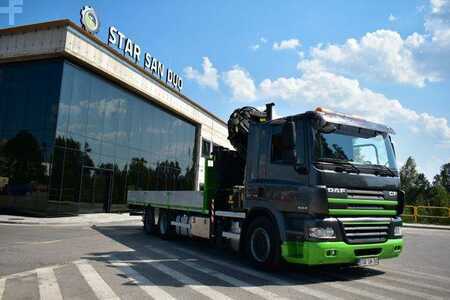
[
  {"x": 164, "y": 225},
  {"x": 149, "y": 221},
  {"x": 263, "y": 244}
]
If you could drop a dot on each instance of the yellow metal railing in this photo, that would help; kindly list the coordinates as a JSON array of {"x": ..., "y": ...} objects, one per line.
[{"x": 418, "y": 213}]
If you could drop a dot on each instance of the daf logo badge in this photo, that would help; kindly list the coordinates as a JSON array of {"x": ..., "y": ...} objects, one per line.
[
  {"x": 336, "y": 190},
  {"x": 89, "y": 19}
]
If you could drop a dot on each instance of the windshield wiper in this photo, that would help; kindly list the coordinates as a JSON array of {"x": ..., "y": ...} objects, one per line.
[
  {"x": 384, "y": 168},
  {"x": 340, "y": 162}
]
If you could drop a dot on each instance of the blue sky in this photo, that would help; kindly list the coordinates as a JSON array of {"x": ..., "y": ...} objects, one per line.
[{"x": 385, "y": 60}]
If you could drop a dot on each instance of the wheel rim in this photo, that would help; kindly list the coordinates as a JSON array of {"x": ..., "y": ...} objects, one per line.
[{"x": 260, "y": 244}]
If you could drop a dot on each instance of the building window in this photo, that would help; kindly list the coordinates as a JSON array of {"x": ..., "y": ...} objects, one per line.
[{"x": 112, "y": 141}]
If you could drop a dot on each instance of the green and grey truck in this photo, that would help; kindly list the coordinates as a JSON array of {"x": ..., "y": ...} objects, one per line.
[{"x": 314, "y": 188}]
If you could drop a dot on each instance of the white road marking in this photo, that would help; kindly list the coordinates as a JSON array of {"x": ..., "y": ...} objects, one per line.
[
  {"x": 418, "y": 284},
  {"x": 100, "y": 288},
  {"x": 48, "y": 285},
  {"x": 416, "y": 274},
  {"x": 356, "y": 291},
  {"x": 38, "y": 242},
  {"x": 27, "y": 273},
  {"x": 231, "y": 280},
  {"x": 273, "y": 279},
  {"x": 149, "y": 261},
  {"x": 395, "y": 289},
  {"x": 190, "y": 282},
  {"x": 2, "y": 287},
  {"x": 143, "y": 282}
]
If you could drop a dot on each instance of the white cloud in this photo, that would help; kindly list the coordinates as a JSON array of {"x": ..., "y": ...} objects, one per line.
[
  {"x": 255, "y": 47},
  {"x": 322, "y": 88},
  {"x": 384, "y": 55},
  {"x": 208, "y": 78},
  {"x": 379, "y": 55},
  {"x": 437, "y": 23},
  {"x": 392, "y": 18},
  {"x": 330, "y": 77},
  {"x": 241, "y": 84},
  {"x": 415, "y": 40},
  {"x": 438, "y": 5},
  {"x": 286, "y": 44}
]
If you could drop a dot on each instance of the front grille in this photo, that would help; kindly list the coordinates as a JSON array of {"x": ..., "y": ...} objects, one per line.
[
  {"x": 359, "y": 232},
  {"x": 361, "y": 203},
  {"x": 365, "y": 194}
]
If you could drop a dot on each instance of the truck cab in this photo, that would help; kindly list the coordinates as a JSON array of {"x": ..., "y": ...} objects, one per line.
[{"x": 329, "y": 187}]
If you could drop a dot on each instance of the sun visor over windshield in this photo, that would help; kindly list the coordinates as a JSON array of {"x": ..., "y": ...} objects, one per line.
[{"x": 355, "y": 122}]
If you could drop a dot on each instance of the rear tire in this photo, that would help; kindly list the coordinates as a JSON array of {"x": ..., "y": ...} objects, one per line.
[
  {"x": 263, "y": 244},
  {"x": 149, "y": 221},
  {"x": 164, "y": 225}
]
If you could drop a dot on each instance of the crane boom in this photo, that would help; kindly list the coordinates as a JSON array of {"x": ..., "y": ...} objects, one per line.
[{"x": 239, "y": 124}]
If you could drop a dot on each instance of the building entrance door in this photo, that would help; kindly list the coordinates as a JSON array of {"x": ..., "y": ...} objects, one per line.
[{"x": 96, "y": 189}]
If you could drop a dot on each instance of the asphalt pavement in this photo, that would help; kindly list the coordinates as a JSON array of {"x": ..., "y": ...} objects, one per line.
[{"x": 119, "y": 261}]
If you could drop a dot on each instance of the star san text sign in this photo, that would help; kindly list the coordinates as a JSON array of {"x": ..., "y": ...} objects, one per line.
[{"x": 152, "y": 64}]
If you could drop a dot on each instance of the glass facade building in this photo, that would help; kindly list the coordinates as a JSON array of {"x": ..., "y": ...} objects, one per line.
[{"x": 72, "y": 141}]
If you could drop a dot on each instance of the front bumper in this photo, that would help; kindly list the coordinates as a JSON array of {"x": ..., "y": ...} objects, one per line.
[{"x": 321, "y": 253}]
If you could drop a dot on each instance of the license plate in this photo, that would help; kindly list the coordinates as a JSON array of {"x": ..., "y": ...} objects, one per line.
[{"x": 368, "y": 261}]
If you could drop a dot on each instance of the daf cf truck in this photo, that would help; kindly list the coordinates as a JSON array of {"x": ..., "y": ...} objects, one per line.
[{"x": 315, "y": 188}]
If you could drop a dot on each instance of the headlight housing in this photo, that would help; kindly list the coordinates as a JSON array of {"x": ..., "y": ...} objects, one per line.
[
  {"x": 397, "y": 230},
  {"x": 321, "y": 233}
]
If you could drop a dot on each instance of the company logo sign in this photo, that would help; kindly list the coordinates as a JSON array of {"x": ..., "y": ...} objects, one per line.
[
  {"x": 89, "y": 19},
  {"x": 336, "y": 190},
  {"x": 150, "y": 63}
]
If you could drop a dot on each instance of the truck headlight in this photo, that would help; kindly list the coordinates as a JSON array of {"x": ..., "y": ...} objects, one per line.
[
  {"x": 321, "y": 233},
  {"x": 397, "y": 231}
]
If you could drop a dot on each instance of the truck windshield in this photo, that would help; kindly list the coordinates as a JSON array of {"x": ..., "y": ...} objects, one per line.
[{"x": 356, "y": 146}]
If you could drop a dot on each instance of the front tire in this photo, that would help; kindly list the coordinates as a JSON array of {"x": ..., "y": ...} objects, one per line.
[{"x": 263, "y": 244}]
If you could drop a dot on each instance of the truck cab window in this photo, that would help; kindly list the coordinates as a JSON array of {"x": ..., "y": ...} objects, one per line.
[{"x": 279, "y": 152}]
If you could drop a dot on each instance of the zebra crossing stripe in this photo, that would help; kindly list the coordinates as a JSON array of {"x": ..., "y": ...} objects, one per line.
[
  {"x": 100, "y": 288},
  {"x": 356, "y": 291},
  {"x": 396, "y": 289},
  {"x": 48, "y": 285},
  {"x": 143, "y": 282},
  {"x": 273, "y": 279},
  {"x": 415, "y": 274},
  {"x": 418, "y": 284},
  {"x": 190, "y": 282},
  {"x": 2, "y": 286},
  {"x": 231, "y": 280}
]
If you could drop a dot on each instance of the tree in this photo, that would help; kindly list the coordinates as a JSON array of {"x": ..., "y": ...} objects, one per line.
[
  {"x": 443, "y": 177},
  {"x": 408, "y": 179},
  {"x": 438, "y": 196},
  {"x": 421, "y": 189}
]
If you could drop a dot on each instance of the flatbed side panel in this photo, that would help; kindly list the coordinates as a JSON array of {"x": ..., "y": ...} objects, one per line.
[{"x": 182, "y": 200}]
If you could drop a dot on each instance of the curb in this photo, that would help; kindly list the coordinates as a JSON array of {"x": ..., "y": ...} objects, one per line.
[
  {"x": 61, "y": 224},
  {"x": 426, "y": 226},
  {"x": 55, "y": 222}
]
